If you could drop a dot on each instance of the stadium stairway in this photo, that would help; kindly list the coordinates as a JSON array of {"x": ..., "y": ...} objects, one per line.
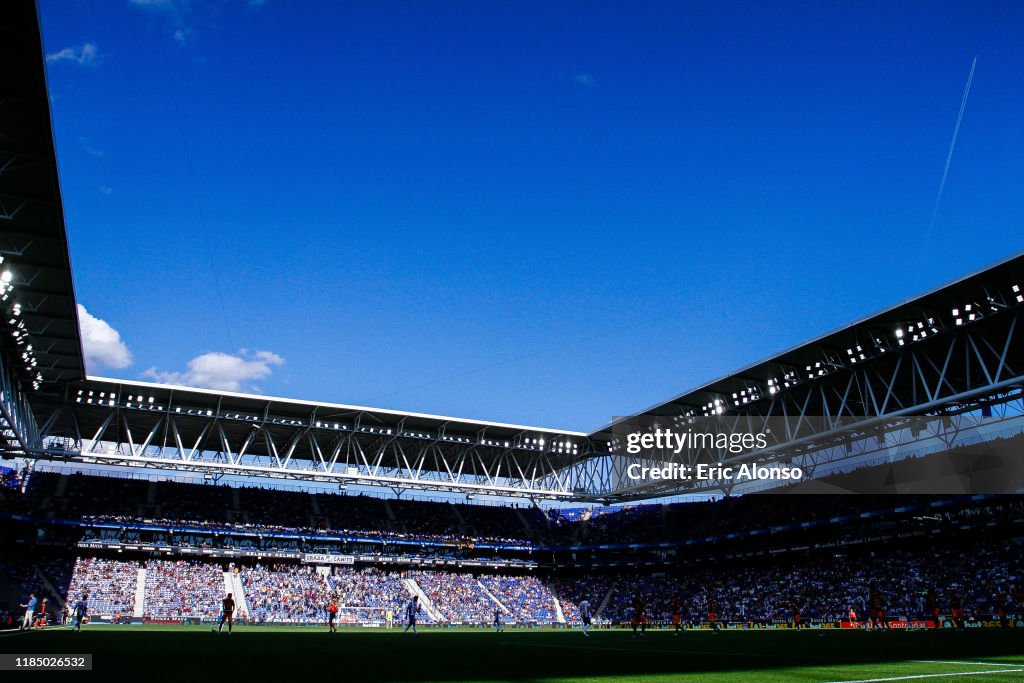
[
  {"x": 140, "y": 594},
  {"x": 55, "y": 594},
  {"x": 492, "y": 597},
  {"x": 460, "y": 518},
  {"x": 233, "y": 582},
  {"x": 559, "y": 614},
  {"x": 229, "y": 584},
  {"x": 607, "y": 599},
  {"x": 426, "y": 603},
  {"x": 525, "y": 522}
]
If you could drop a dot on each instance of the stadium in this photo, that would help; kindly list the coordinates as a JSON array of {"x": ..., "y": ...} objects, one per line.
[{"x": 866, "y": 523}]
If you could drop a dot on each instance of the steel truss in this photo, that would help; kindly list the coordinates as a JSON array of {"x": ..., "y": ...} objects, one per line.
[
  {"x": 358, "y": 452},
  {"x": 934, "y": 392},
  {"x": 38, "y": 320},
  {"x": 19, "y": 433}
]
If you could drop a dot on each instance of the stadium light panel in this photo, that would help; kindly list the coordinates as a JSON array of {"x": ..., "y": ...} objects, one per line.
[{"x": 6, "y": 276}]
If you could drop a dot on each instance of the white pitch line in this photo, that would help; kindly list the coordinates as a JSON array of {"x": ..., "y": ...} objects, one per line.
[
  {"x": 961, "y": 662},
  {"x": 643, "y": 650},
  {"x": 18, "y": 632},
  {"x": 986, "y": 672}
]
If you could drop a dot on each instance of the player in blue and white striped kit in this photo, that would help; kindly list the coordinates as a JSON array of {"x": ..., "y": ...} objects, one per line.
[
  {"x": 412, "y": 608},
  {"x": 81, "y": 610},
  {"x": 585, "y": 616},
  {"x": 498, "y": 626}
]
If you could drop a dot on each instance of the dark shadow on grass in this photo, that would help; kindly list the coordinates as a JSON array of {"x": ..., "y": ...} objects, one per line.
[{"x": 479, "y": 656}]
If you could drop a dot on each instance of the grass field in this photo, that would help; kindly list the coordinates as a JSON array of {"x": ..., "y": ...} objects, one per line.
[{"x": 288, "y": 654}]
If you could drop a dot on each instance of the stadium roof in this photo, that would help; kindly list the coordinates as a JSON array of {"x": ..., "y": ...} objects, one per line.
[
  {"x": 40, "y": 312},
  {"x": 257, "y": 404},
  {"x": 122, "y": 422},
  {"x": 991, "y": 286},
  {"x": 38, "y": 306}
]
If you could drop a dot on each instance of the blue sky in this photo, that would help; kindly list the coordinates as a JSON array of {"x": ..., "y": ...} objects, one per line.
[{"x": 542, "y": 213}]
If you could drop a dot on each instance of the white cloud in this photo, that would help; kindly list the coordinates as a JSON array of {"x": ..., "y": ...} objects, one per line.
[
  {"x": 86, "y": 55},
  {"x": 89, "y": 147},
  {"x": 101, "y": 343},
  {"x": 586, "y": 80},
  {"x": 154, "y": 4},
  {"x": 106, "y": 190},
  {"x": 177, "y": 13},
  {"x": 222, "y": 371}
]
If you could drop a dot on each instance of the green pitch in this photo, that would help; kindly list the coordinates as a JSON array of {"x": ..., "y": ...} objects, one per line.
[{"x": 287, "y": 654}]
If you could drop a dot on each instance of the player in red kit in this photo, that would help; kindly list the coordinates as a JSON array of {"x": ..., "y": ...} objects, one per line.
[
  {"x": 639, "y": 617},
  {"x": 332, "y": 615}
]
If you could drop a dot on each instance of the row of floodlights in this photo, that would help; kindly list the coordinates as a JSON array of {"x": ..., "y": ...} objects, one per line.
[
  {"x": 140, "y": 402},
  {"x": 903, "y": 334},
  {"x": 745, "y": 396},
  {"x": 17, "y": 328}
]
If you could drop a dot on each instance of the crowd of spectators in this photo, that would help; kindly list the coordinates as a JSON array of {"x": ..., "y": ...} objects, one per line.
[
  {"x": 366, "y": 595},
  {"x": 527, "y": 598},
  {"x": 255, "y": 510},
  {"x": 458, "y": 597},
  {"x": 283, "y": 593},
  {"x": 985, "y": 574},
  {"x": 110, "y": 584},
  {"x": 981, "y": 574},
  {"x": 182, "y": 589},
  {"x": 570, "y": 591},
  {"x": 210, "y": 506}
]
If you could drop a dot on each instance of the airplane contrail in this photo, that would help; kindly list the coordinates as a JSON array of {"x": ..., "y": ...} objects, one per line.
[{"x": 949, "y": 158}]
